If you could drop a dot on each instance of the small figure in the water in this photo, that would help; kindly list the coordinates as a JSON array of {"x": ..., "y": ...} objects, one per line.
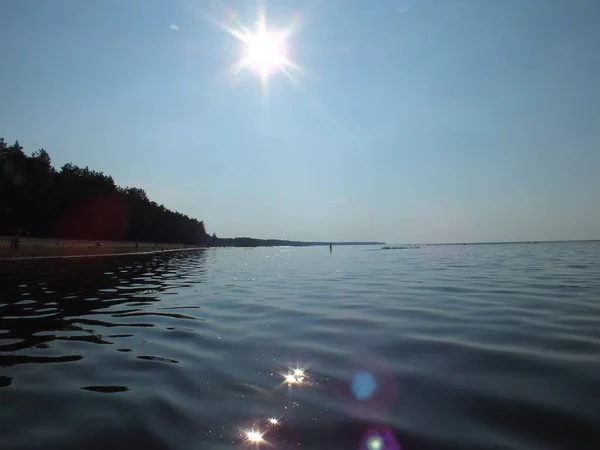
[{"x": 330, "y": 248}]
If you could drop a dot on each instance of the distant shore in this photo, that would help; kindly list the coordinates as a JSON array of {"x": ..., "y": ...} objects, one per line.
[
  {"x": 53, "y": 248},
  {"x": 254, "y": 242}
]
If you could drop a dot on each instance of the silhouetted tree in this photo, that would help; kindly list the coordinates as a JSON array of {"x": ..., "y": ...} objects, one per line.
[{"x": 76, "y": 202}]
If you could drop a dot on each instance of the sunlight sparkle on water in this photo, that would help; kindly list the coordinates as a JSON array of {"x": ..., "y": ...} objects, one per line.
[
  {"x": 294, "y": 377},
  {"x": 254, "y": 437},
  {"x": 290, "y": 378}
]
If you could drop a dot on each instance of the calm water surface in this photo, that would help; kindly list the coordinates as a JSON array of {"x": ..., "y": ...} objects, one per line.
[{"x": 448, "y": 347}]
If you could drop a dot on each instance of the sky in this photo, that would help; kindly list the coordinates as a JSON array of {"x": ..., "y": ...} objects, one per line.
[{"x": 405, "y": 121}]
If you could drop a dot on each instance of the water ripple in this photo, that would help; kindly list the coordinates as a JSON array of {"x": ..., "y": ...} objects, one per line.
[{"x": 470, "y": 347}]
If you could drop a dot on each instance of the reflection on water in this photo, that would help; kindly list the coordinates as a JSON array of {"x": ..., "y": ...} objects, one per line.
[
  {"x": 71, "y": 299},
  {"x": 426, "y": 348}
]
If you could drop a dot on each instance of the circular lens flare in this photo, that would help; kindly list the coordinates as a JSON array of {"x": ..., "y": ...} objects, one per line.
[
  {"x": 375, "y": 443},
  {"x": 379, "y": 438},
  {"x": 364, "y": 385},
  {"x": 370, "y": 390}
]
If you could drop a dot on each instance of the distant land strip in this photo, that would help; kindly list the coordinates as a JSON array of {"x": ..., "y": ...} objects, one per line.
[{"x": 252, "y": 242}]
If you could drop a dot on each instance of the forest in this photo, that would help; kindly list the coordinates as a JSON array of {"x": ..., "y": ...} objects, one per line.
[{"x": 79, "y": 203}]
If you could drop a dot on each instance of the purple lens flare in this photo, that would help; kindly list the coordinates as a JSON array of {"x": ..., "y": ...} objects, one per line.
[{"x": 379, "y": 438}]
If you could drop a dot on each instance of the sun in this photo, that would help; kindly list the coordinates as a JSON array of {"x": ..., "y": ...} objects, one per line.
[
  {"x": 265, "y": 52},
  {"x": 264, "y": 49}
]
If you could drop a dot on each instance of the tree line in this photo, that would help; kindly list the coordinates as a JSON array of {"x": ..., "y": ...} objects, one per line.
[{"x": 80, "y": 203}]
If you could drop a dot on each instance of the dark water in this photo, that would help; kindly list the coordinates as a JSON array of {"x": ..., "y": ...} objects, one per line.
[{"x": 456, "y": 347}]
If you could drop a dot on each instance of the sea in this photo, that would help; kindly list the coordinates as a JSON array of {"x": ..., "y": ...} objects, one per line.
[{"x": 445, "y": 347}]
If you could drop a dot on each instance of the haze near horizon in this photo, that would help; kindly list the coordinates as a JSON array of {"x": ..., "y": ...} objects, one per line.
[{"x": 399, "y": 121}]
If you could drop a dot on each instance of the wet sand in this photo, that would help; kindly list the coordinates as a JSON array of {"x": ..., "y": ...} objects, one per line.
[{"x": 52, "y": 248}]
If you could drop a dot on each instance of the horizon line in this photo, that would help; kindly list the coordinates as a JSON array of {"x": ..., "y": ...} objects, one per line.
[
  {"x": 507, "y": 242},
  {"x": 422, "y": 243}
]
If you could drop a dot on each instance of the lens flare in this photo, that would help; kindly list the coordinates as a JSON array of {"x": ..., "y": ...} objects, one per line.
[
  {"x": 379, "y": 438},
  {"x": 375, "y": 443},
  {"x": 364, "y": 385},
  {"x": 370, "y": 389}
]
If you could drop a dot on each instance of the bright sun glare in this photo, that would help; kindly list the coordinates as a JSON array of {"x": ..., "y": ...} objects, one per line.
[
  {"x": 265, "y": 49},
  {"x": 265, "y": 52}
]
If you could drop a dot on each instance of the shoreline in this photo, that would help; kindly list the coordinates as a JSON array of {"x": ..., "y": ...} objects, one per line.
[
  {"x": 41, "y": 248},
  {"x": 97, "y": 255}
]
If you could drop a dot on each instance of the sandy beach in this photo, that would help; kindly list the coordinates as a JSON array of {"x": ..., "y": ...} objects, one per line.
[{"x": 53, "y": 248}]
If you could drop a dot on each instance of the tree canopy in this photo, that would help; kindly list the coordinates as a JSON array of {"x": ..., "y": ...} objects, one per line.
[{"x": 80, "y": 203}]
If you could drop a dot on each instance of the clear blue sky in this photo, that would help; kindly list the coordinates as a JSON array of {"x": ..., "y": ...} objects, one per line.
[{"x": 417, "y": 121}]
